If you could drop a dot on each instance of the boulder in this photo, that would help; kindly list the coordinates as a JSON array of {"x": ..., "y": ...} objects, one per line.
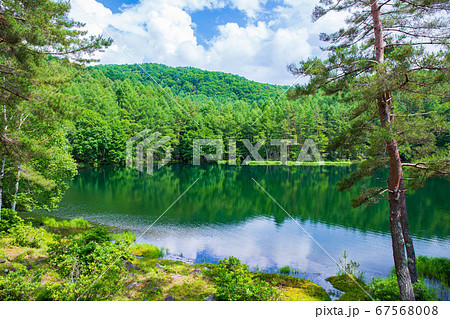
[
  {"x": 169, "y": 298},
  {"x": 129, "y": 265},
  {"x": 133, "y": 285},
  {"x": 210, "y": 298},
  {"x": 196, "y": 271}
]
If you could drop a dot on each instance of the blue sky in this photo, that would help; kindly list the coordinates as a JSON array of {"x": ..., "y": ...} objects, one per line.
[
  {"x": 206, "y": 22},
  {"x": 256, "y": 39},
  {"x": 115, "y": 5}
]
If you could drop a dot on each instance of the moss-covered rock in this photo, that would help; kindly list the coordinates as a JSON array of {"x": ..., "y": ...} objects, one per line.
[
  {"x": 354, "y": 288},
  {"x": 296, "y": 289}
]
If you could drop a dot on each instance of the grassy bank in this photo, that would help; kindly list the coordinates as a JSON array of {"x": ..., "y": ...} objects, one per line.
[
  {"x": 38, "y": 261},
  {"x": 292, "y": 163}
]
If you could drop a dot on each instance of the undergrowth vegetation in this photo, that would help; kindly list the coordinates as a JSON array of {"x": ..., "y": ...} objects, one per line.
[
  {"x": 237, "y": 283},
  {"x": 435, "y": 268},
  {"x": 386, "y": 289},
  {"x": 147, "y": 250},
  {"x": 73, "y": 223},
  {"x": 93, "y": 264}
]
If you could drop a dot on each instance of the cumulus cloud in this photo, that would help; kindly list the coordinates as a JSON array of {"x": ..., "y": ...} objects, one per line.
[{"x": 162, "y": 31}]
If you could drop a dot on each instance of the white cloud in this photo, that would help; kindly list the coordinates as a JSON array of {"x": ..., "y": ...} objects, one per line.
[
  {"x": 94, "y": 14},
  {"x": 251, "y": 7},
  {"x": 162, "y": 31}
]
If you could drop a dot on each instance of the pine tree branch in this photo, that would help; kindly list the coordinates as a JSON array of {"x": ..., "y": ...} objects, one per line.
[
  {"x": 420, "y": 165},
  {"x": 417, "y": 43},
  {"x": 415, "y": 114},
  {"x": 15, "y": 93}
]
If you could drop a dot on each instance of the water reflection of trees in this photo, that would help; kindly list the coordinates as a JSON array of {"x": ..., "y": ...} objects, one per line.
[{"x": 227, "y": 195}]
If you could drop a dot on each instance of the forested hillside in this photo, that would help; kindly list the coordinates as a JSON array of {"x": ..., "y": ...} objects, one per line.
[
  {"x": 117, "y": 102},
  {"x": 189, "y": 81}
]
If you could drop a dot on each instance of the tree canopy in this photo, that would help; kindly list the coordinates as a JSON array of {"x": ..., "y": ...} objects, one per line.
[{"x": 39, "y": 48}]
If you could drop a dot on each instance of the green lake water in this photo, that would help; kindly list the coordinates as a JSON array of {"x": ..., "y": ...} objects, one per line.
[{"x": 227, "y": 214}]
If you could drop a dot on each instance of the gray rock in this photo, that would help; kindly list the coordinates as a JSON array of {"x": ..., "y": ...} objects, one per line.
[
  {"x": 2, "y": 261},
  {"x": 133, "y": 285},
  {"x": 29, "y": 267},
  {"x": 169, "y": 298},
  {"x": 155, "y": 288},
  {"x": 8, "y": 270},
  {"x": 210, "y": 298},
  {"x": 158, "y": 265},
  {"x": 129, "y": 265},
  {"x": 196, "y": 271}
]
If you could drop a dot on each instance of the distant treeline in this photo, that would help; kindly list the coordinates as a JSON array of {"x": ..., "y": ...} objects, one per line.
[{"x": 118, "y": 101}]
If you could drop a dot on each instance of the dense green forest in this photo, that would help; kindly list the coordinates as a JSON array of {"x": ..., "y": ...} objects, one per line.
[
  {"x": 189, "y": 81},
  {"x": 117, "y": 102}
]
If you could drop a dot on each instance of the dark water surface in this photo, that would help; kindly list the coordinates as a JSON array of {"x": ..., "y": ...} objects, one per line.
[{"x": 227, "y": 214}]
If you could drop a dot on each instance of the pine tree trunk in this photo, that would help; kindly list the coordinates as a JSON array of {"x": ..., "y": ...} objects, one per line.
[
  {"x": 411, "y": 254},
  {"x": 397, "y": 202},
  {"x": 16, "y": 189}
]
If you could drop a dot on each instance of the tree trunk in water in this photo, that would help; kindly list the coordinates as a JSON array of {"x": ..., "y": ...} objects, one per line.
[
  {"x": 397, "y": 201},
  {"x": 16, "y": 189},
  {"x": 2, "y": 174},
  {"x": 411, "y": 254}
]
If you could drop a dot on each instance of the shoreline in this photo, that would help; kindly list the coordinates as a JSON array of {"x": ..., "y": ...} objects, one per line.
[{"x": 151, "y": 262}]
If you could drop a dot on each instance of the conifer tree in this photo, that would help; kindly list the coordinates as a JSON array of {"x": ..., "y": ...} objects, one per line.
[{"x": 393, "y": 59}]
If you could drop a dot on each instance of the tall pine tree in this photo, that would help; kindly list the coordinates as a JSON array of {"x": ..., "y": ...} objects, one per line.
[{"x": 393, "y": 59}]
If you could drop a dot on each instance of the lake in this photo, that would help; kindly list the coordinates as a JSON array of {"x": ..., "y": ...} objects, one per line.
[{"x": 225, "y": 213}]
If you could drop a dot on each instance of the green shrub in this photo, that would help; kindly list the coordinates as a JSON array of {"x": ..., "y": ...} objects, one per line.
[
  {"x": 90, "y": 266},
  {"x": 349, "y": 267},
  {"x": 125, "y": 237},
  {"x": 97, "y": 235},
  {"x": 285, "y": 270},
  {"x": 147, "y": 250},
  {"x": 9, "y": 220},
  {"x": 28, "y": 236},
  {"x": 436, "y": 268},
  {"x": 386, "y": 289},
  {"x": 19, "y": 285},
  {"x": 234, "y": 282}
]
